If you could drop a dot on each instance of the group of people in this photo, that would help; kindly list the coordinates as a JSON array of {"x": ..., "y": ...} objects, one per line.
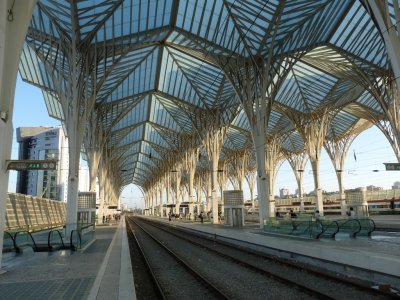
[
  {"x": 109, "y": 217},
  {"x": 201, "y": 216},
  {"x": 351, "y": 214}
]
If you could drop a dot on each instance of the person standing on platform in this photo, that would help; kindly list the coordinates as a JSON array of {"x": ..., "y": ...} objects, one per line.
[
  {"x": 351, "y": 214},
  {"x": 219, "y": 217},
  {"x": 201, "y": 217}
]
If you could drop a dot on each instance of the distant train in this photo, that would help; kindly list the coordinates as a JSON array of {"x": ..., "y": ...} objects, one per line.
[{"x": 387, "y": 206}]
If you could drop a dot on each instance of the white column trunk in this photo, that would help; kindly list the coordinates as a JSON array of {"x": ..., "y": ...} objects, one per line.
[
  {"x": 152, "y": 203},
  {"x": 12, "y": 36},
  {"x": 102, "y": 191},
  {"x": 317, "y": 184},
  {"x": 214, "y": 184},
  {"x": 161, "y": 207},
  {"x": 263, "y": 207},
  {"x": 178, "y": 191},
  {"x": 191, "y": 191},
  {"x": 343, "y": 206},
  {"x": 94, "y": 168}
]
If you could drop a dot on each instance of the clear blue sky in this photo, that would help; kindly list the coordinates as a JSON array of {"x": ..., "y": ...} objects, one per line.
[{"x": 371, "y": 148}]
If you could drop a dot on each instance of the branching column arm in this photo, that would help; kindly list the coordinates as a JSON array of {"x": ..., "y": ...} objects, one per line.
[
  {"x": 238, "y": 163},
  {"x": 298, "y": 163},
  {"x": 379, "y": 10},
  {"x": 313, "y": 132},
  {"x": 386, "y": 93},
  {"x": 337, "y": 152}
]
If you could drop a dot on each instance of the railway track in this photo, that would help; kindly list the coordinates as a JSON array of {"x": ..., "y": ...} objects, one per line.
[
  {"x": 171, "y": 276},
  {"x": 262, "y": 268}
]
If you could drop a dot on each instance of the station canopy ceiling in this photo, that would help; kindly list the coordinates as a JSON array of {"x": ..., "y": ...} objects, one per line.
[{"x": 153, "y": 66}]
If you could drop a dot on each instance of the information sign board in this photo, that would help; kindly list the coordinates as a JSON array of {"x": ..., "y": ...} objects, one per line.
[
  {"x": 392, "y": 166},
  {"x": 26, "y": 165}
]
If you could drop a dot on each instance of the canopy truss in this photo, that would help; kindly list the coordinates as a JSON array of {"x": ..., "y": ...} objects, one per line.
[{"x": 154, "y": 67}]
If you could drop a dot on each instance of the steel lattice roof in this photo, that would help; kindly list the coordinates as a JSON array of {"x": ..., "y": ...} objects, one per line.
[{"x": 153, "y": 68}]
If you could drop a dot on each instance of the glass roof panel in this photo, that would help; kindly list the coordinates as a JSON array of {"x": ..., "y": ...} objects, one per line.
[
  {"x": 134, "y": 17},
  {"x": 135, "y": 135},
  {"x": 219, "y": 28},
  {"x": 358, "y": 35},
  {"x": 161, "y": 116},
  {"x": 136, "y": 114}
]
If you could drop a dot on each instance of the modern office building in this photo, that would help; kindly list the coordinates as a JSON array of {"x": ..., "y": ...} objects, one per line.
[{"x": 38, "y": 143}]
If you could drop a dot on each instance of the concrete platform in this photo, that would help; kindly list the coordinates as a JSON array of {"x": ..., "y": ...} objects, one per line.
[
  {"x": 102, "y": 271},
  {"x": 377, "y": 254}
]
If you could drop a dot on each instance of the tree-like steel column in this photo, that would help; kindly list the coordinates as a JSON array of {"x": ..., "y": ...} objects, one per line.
[
  {"x": 273, "y": 160},
  {"x": 313, "y": 131},
  {"x": 337, "y": 151},
  {"x": 255, "y": 81},
  {"x": 178, "y": 178},
  {"x": 298, "y": 162},
  {"x": 102, "y": 185},
  {"x": 213, "y": 144},
  {"x": 238, "y": 162},
  {"x": 222, "y": 179},
  {"x": 199, "y": 189},
  {"x": 250, "y": 175},
  {"x": 167, "y": 186},
  {"x": 191, "y": 160},
  {"x": 94, "y": 148},
  {"x": 161, "y": 203},
  {"x": 314, "y": 135},
  {"x": 208, "y": 192},
  {"x": 14, "y": 21}
]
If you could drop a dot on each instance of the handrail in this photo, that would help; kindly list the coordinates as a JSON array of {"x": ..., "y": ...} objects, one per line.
[
  {"x": 367, "y": 226},
  {"x": 29, "y": 234},
  {"x": 71, "y": 239},
  {"x": 86, "y": 226},
  {"x": 373, "y": 226},
  {"x": 9, "y": 234},
  {"x": 12, "y": 239},
  {"x": 354, "y": 232},
  {"x": 326, "y": 227},
  {"x": 49, "y": 238}
]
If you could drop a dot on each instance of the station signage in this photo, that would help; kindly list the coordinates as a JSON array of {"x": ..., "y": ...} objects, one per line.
[
  {"x": 392, "y": 166},
  {"x": 29, "y": 165}
]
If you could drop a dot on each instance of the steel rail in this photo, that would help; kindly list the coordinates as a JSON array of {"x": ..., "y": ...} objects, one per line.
[
  {"x": 213, "y": 238},
  {"x": 158, "y": 289},
  {"x": 208, "y": 284}
]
